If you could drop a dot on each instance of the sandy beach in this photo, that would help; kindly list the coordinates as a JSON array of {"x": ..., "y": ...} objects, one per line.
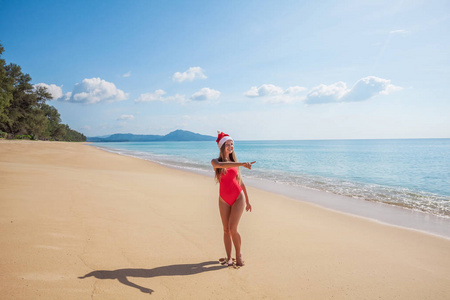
[{"x": 77, "y": 222}]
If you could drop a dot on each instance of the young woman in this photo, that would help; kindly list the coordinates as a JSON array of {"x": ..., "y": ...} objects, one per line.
[{"x": 232, "y": 195}]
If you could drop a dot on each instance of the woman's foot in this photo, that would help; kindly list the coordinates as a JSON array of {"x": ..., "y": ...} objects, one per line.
[{"x": 239, "y": 261}]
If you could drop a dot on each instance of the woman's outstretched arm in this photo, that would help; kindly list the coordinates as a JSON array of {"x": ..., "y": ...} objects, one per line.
[{"x": 229, "y": 164}]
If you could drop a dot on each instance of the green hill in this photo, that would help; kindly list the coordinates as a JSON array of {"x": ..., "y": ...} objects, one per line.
[{"x": 175, "y": 136}]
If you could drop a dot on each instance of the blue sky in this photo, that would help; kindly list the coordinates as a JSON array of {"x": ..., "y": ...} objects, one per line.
[{"x": 254, "y": 69}]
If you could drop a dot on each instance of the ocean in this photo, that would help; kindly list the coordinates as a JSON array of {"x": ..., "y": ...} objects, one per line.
[{"x": 408, "y": 173}]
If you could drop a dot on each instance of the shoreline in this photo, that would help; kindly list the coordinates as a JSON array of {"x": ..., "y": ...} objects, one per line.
[
  {"x": 78, "y": 222},
  {"x": 390, "y": 215}
]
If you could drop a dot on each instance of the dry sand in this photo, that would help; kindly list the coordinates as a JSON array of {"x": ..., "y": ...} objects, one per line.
[{"x": 80, "y": 223}]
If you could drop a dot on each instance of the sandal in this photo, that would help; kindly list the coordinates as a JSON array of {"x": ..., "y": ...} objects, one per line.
[{"x": 224, "y": 261}]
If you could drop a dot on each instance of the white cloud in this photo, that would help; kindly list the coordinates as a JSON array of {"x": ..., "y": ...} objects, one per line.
[
  {"x": 276, "y": 94},
  {"x": 295, "y": 90},
  {"x": 326, "y": 93},
  {"x": 67, "y": 96},
  {"x": 369, "y": 87},
  {"x": 252, "y": 92},
  {"x": 54, "y": 90},
  {"x": 177, "y": 98},
  {"x": 149, "y": 97},
  {"x": 128, "y": 74},
  {"x": 190, "y": 75},
  {"x": 96, "y": 90},
  {"x": 364, "y": 89},
  {"x": 205, "y": 94},
  {"x": 126, "y": 117},
  {"x": 264, "y": 90},
  {"x": 158, "y": 95},
  {"x": 398, "y": 31}
]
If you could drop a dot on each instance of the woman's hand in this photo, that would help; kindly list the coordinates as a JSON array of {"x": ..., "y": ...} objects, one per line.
[
  {"x": 248, "y": 207},
  {"x": 248, "y": 165}
]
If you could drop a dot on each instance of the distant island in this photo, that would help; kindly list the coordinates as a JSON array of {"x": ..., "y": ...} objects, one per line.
[{"x": 174, "y": 136}]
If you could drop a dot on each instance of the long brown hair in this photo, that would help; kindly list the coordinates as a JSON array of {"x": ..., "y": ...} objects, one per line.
[{"x": 222, "y": 157}]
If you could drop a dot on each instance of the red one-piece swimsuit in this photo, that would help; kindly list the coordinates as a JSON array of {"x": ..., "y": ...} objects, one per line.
[{"x": 229, "y": 186}]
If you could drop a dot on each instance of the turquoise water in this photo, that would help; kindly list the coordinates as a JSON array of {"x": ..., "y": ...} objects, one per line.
[{"x": 411, "y": 173}]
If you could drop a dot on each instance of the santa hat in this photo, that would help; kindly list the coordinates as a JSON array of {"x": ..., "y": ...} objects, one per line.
[{"x": 222, "y": 138}]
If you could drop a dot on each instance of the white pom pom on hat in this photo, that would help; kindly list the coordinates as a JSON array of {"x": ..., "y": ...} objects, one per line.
[{"x": 222, "y": 138}]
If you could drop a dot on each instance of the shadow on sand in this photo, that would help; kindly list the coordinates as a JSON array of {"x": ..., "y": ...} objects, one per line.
[{"x": 122, "y": 275}]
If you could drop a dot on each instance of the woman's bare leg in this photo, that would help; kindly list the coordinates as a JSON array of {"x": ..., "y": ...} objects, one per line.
[
  {"x": 236, "y": 212},
  {"x": 225, "y": 211}
]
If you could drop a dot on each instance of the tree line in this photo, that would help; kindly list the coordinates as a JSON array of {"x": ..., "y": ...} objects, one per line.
[{"x": 24, "y": 113}]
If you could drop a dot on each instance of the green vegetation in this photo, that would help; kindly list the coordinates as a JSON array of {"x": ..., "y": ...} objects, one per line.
[{"x": 23, "y": 111}]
